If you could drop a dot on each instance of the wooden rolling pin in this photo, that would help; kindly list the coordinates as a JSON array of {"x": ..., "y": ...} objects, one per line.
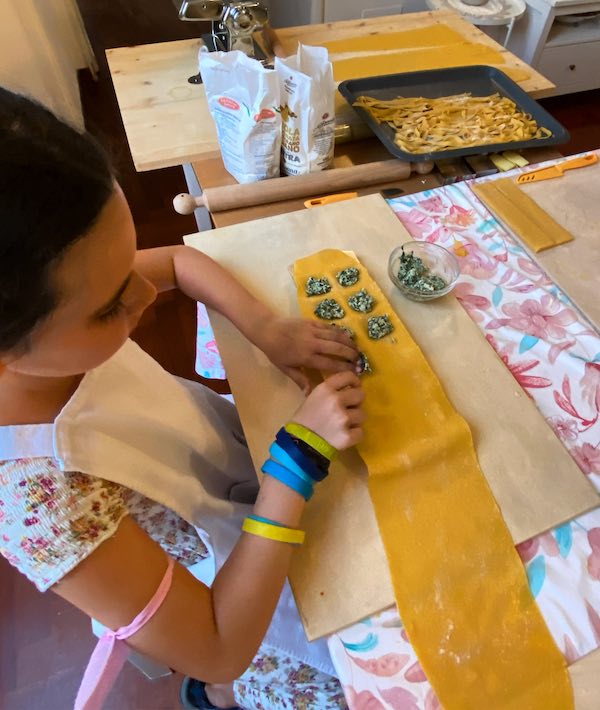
[{"x": 229, "y": 197}]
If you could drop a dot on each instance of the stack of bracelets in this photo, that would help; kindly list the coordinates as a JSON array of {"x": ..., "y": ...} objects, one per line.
[{"x": 299, "y": 459}]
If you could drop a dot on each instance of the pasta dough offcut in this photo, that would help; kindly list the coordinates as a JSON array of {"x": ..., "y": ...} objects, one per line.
[{"x": 424, "y": 125}]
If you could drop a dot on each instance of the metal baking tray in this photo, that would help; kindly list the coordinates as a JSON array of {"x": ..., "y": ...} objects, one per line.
[{"x": 479, "y": 80}]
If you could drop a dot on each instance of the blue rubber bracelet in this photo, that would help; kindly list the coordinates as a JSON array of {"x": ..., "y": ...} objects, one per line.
[
  {"x": 285, "y": 476},
  {"x": 282, "y": 457},
  {"x": 267, "y": 521},
  {"x": 290, "y": 447}
]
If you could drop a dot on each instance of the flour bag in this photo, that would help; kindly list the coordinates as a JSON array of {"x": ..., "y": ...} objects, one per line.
[
  {"x": 243, "y": 98},
  {"x": 307, "y": 94}
]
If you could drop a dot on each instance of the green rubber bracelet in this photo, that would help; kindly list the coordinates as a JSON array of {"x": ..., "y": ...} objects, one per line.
[{"x": 309, "y": 437}]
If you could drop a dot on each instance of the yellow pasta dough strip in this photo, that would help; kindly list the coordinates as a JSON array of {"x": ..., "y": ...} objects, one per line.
[
  {"x": 420, "y": 58},
  {"x": 524, "y": 216},
  {"x": 434, "y": 47},
  {"x": 460, "y": 586},
  {"x": 431, "y": 36}
]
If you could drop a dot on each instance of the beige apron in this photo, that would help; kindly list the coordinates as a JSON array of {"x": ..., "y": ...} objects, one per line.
[{"x": 175, "y": 442}]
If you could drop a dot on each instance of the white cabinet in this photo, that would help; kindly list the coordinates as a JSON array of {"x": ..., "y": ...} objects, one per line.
[
  {"x": 572, "y": 67},
  {"x": 567, "y": 53}
]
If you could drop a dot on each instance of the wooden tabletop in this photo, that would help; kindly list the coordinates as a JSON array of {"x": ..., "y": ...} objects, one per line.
[
  {"x": 258, "y": 254},
  {"x": 211, "y": 173},
  {"x": 167, "y": 119}
]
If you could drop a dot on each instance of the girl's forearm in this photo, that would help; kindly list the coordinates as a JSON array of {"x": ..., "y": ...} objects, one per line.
[
  {"x": 247, "y": 588},
  {"x": 208, "y": 633},
  {"x": 203, "y": 279}
]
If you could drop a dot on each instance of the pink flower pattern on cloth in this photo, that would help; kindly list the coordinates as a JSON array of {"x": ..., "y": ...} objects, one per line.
[
  {"x": 554, "y": 354},
  {"x": 208, "y": 359}
]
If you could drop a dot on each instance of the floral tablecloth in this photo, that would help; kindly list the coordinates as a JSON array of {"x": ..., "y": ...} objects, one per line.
[{"x": 554, "y": 354}]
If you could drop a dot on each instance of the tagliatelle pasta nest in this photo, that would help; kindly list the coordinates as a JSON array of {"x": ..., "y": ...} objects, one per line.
[{"x": 460, "y": 121}]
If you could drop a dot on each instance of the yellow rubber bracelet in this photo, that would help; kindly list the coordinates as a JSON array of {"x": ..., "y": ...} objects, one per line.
[
  {"x": 273, "y": 532},
  {"x": 309, "y": 437}
]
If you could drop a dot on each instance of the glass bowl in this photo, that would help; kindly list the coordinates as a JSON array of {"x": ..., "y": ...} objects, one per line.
[{"x": 438, "y": 260}]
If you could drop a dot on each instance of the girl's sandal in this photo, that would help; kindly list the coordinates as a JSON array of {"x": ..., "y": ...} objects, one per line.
[{"x": 193, "y": 696}]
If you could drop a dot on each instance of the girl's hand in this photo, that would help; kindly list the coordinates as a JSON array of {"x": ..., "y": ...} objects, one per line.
[
  {"x": 333, "y": 410},
  {"x": 293, "y": 343}
]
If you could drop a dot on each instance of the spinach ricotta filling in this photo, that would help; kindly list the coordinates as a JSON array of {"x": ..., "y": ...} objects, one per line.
[
  {"x": 329, "y": 309},
  {"x": 362, "y": 302},
  {"x": 414, "y": 274},
  {"x": 379, "y": 326},
  {"x": 316, "y": 286},
  {"x": 348, "y": 277}
]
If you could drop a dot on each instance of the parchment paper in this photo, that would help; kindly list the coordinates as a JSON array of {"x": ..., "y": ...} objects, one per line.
[
  {"x": 574, "y": 202},
  {"x": 340, "y": 574}
]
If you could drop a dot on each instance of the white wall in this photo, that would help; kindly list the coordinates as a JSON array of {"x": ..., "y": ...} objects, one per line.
[
  {"x": 42, "y": 44},
  {"x": 289, "y": 13},
  {"x": 355, "y": 9},
  {"x": 292, "y": 13}
]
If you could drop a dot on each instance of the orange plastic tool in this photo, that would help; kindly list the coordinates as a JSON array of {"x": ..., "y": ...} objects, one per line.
[
  {"x": 557, "y": 170},
  {"x": 328, "y": 199}
]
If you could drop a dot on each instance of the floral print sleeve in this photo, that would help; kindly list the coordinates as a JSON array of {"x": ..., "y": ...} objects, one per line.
[
  {"x": 51, "y": 520},
  {"x": 274, "y": 681}
]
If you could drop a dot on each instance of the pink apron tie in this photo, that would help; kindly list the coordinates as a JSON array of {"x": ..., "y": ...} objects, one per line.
[{"x": 111, "y": 651}]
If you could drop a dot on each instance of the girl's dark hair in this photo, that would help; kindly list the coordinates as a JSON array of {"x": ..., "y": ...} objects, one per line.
[{"x": 54, "y": 182}]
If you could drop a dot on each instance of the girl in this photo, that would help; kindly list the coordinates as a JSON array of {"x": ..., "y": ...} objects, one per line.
[{"x": 111, "y": 469}]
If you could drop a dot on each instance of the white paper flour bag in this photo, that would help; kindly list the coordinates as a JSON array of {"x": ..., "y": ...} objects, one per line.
[
  {"x": 243, "y": 98},
  {"x": 307, "y": 110}
]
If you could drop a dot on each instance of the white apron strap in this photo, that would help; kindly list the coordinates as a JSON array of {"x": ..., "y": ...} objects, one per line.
[{"x": 27, "y": 441}]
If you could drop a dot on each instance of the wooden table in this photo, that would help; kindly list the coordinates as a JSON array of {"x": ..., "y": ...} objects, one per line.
[
  {"x": 167, "y": 123},
  {"x": 167, "y": 119},
  {"x": 244, "y": 248},
  {"x": 211, "y": 172}
]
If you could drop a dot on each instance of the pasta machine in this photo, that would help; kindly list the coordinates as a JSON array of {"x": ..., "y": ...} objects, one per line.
[{"x": 233, "y": 24}]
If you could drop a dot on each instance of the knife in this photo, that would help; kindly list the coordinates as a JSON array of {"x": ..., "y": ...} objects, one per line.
[{"x": 557, "y": 170}]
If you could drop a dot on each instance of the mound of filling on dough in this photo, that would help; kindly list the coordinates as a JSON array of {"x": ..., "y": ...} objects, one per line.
[
  {"x": 348, "y": 277},
  {"x": 329, "y": 309},
  {"x": 379, "y": 326},
  {"x": 364, "y": 364},
  {"x": 317, "y": 286},
  {"x": 361, "y": 301}
]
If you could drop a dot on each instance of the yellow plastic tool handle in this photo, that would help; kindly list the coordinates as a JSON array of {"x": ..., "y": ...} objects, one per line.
[
  {"x": 582, "y": 162},
  {"x": 329, "y": 199},
  {"x": 557, "y": 170}
]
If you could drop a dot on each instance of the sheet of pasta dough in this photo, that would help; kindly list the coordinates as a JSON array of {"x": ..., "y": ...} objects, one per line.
[
  {"x": 522, "y": 214},
  {"x": 573, "y": 201},
  {"x": 435, "y": 47},
  {"x": 460, "y": 586}
]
